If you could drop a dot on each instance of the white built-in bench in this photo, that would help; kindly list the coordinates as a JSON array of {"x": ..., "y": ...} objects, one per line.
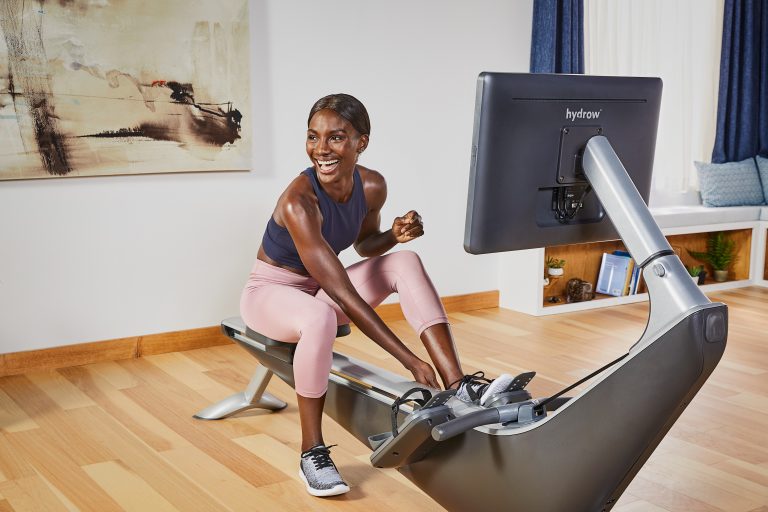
[{"x": 680, "y": 216}]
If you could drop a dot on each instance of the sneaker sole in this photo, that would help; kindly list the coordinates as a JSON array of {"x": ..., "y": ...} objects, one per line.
[
  {"x": 333, "y": 491},
  {"x": 497, "y": 386}
]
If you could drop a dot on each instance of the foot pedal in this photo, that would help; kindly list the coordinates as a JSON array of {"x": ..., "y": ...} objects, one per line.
[
  {"x": 414, "y": 437},
  {"x": 514, "y": 393},
  {"x": 521, "y": 381},
  {"x": 439, "y": 399}
]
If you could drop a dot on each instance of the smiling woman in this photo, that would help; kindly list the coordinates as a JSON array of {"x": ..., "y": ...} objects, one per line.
[{"x": 299, "y": 291}]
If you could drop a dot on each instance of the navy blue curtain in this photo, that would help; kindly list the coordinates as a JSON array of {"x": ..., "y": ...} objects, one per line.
[
  {"x": 742, "y": 104},
  {"x": 557, "y": 43}
]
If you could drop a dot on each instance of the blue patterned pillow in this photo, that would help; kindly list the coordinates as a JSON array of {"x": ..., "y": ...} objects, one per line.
[
  {"x": 730, "y": 184},
  {"x": 762, "y": 167}
]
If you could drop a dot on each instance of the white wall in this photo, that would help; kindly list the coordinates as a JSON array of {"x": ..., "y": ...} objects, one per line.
[{"x": 84, "y": 259}]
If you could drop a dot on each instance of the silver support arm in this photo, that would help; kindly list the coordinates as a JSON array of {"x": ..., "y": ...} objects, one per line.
[
  {"x": 671, "y": 290},
  {"x": 622, "y": 201}
]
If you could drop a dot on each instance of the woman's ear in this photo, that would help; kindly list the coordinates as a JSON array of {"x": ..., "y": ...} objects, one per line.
[{"x": 362, "y": 144}]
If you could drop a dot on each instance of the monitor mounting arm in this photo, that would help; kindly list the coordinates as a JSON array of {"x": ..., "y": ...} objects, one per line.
[{"x": 670, "y": 289}]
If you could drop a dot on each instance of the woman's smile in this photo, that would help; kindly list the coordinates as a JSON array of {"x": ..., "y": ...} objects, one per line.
[{"x": 327, "y": 166}]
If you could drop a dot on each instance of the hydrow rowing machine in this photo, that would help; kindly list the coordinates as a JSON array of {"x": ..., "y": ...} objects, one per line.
[
  {"x": 520, "y": 454},
  {"x": 578, "y": 458}
]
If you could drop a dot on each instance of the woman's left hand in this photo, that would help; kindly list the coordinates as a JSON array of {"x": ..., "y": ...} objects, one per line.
[{"x": 407, "y": 227}]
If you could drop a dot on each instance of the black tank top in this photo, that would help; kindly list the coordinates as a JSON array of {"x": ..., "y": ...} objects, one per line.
[{"x": 341, "y": 223}]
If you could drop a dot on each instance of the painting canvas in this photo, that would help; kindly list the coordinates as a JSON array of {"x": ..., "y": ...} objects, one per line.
[{"x": 101, "y": 87}]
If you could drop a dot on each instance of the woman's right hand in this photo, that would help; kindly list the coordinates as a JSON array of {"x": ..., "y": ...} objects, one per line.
[{"x": 423, "y": 373}]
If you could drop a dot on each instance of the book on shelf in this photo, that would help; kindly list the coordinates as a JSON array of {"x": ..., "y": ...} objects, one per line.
[
  {"x": 615, "y": 276},
  {"x": 636, "y": 277},
  {"x": 637, "y": 274}
]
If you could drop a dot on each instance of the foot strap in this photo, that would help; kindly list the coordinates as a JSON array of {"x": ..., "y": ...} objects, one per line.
[{"x": 426, "y": 395}]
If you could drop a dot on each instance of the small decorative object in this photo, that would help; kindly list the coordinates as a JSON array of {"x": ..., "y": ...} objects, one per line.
[
  {"x": 720, "y": 254},
  {"x": 555, "y": 267},
  {"x": 577, "y": 290},
  {"x": 697, "y": 273}
]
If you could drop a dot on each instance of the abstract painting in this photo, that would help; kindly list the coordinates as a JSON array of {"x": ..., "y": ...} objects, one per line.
[{"x": 102, "y": 87}]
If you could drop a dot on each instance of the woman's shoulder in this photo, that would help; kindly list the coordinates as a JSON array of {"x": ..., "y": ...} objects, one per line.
[
  {"x": 299, "y": 194},
  {"x": 371, "y": 177},
  {"x": 374, "y": 186}
]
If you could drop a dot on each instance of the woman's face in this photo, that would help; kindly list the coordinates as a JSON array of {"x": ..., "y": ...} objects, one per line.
[{"x": 333, "y": 145}]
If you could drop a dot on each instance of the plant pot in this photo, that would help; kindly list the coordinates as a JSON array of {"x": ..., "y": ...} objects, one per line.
[
  {"x": 695, "y": 280},
  {"x": 721, "y": 275},
  {"x": 555, "y": 271}
]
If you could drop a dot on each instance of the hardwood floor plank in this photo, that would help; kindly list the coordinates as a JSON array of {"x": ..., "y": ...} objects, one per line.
[
  {"x": 52, "y": 458},
  {"x": 59, "y": 495},
  {"x": 280, "y": 456},
  {"x": 12, "y": 417},
  {"x": 59, "y": 389},
  {"x": 232, "y": 491},
  {"x": 128, "y": 489},
  {"x": 183, "y": 369},
  {"x": 30, "y": 493},
  {"x": 13, "y": 465},
  {"x": 753, "y": 472},
  {"x": 639, "y": 506},
  {"x": 663, "y": 494},
  {"x": 140, "y": 459},
  {"x": 113, "y": 374},
  {"x": 114, "y": 402},
  {"x": 54, "y": 420},
  {"x": 174, "y": 406}
]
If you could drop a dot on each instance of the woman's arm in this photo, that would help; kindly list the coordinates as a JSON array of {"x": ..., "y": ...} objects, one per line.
[
  {"x": 301, "y": 216},
  {"x": 371, "y": 241}
]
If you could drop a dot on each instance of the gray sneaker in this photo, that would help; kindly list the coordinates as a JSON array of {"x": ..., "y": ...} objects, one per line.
[
  {"x": 477, "y": 388},
  {"x": 319, "y": 473}
]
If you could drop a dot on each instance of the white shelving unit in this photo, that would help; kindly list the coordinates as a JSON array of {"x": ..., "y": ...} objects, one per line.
[{"x": 522, "y": 272}]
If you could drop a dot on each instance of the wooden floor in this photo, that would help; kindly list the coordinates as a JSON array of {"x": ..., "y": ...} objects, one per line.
[{"x": 120, "y": 435}]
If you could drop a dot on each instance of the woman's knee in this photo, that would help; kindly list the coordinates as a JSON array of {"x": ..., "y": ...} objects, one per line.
[
  {"x": 408, "y": 265},
  {"x": 320, "y": 318},
  {"x": 406, "y": 260}
]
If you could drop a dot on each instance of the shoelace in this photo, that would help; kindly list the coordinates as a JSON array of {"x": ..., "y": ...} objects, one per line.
[
  {"x": 320, "y": 456},
  {"x": 477, "y": 378}
]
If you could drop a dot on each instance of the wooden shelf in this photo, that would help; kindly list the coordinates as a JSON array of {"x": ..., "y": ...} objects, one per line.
[
  {"x": 583, "y": 261},
  {"x": 765, "y": 269}
]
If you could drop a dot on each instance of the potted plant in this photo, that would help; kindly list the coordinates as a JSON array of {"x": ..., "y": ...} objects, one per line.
[
  {"x": 697, "y": 273},
  {"x": 720, "y": 253},
  {"x": 555, "y": 267}
]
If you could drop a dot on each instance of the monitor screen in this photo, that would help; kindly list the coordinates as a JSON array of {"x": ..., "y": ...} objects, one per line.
[{"x": 527, "y": 188}]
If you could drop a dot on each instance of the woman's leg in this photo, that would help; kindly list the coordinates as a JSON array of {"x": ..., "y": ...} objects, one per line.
[
  {"x": 438, "y": 341},
  {"x": 403, "y": 273},
  {"x": 271, "y": 310}
]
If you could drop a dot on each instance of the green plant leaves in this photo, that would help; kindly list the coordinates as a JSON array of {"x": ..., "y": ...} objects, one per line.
[{"x": 720, "y": 253}]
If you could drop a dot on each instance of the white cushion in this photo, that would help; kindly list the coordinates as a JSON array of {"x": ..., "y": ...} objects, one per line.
[{"x": 680, "y": 216}]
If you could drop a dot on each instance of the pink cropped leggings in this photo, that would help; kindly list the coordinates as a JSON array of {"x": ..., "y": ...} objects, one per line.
[{"x": 289, "y": 307}]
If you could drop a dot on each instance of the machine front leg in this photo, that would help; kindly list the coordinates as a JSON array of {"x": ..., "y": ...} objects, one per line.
[{"x": 254, "y": 397}]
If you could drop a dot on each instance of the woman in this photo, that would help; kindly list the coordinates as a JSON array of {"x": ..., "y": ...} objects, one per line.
[{"x": 299, "y": 291}]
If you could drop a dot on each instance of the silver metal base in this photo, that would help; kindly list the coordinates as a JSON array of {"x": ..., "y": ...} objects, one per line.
[{"x": 254, "y": 397}]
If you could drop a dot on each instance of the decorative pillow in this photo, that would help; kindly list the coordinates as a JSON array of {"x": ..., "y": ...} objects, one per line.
[
  {"x": 730, "y": 184},
  {"x": 762, "y": 167}
]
